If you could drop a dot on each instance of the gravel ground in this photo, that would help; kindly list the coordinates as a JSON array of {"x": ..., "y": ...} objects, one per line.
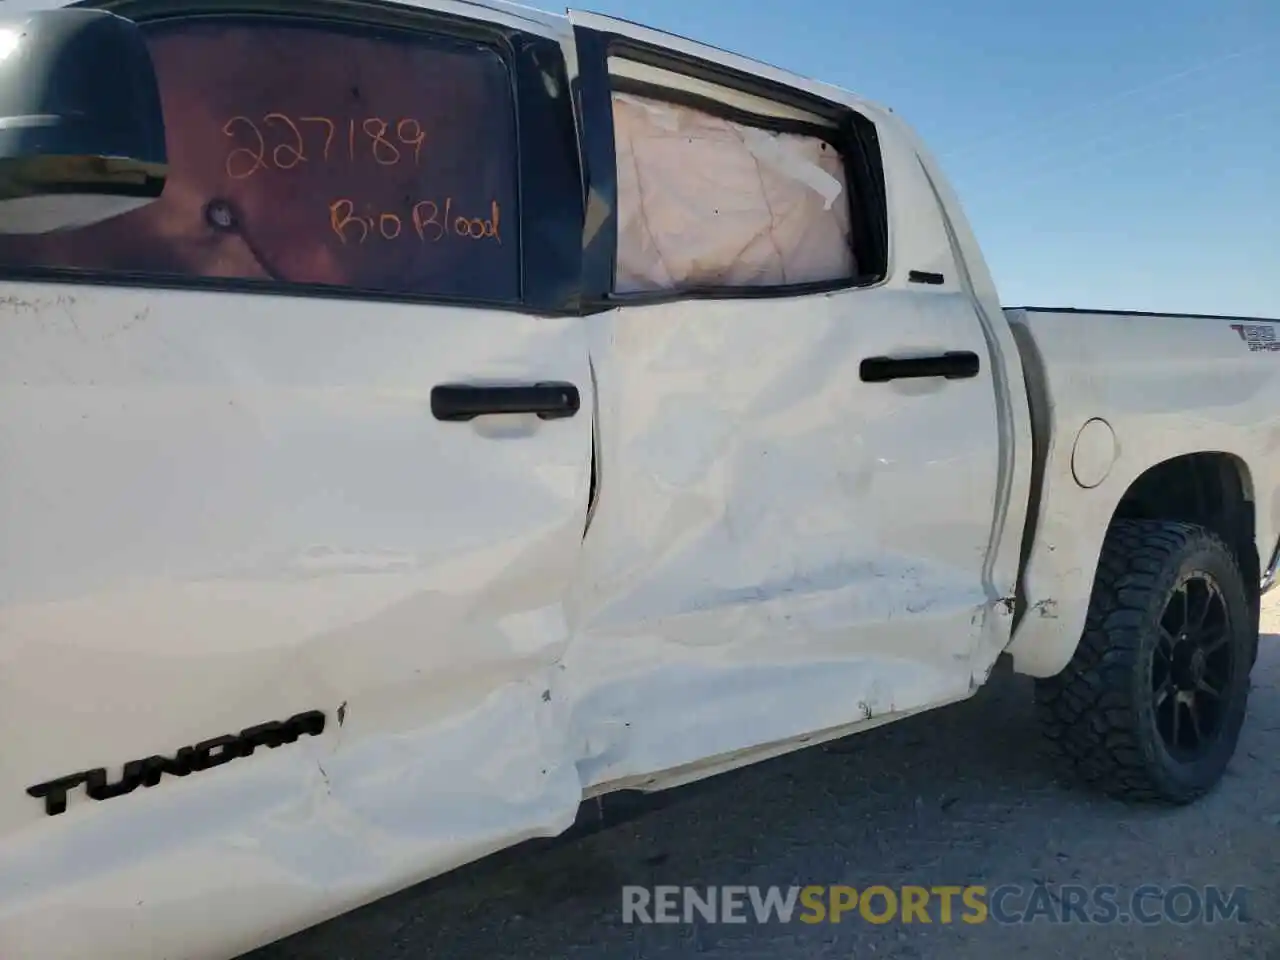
[{"x": 962, "y": 795}]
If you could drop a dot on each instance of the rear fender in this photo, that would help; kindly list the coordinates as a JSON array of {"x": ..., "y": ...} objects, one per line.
[{"x": 1107, "y": 410}]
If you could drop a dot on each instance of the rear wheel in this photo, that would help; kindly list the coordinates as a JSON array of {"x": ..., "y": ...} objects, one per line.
[{"x": 1151, "y": 705}]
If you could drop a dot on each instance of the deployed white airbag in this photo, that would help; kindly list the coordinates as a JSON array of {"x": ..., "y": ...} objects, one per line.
[{"x": 704, "y": 201}]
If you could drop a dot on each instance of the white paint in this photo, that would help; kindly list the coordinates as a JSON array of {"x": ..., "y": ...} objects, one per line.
[
  {"x": 1168, "y": 386},
  {"x": 517, "y": 15},
  {"x": 10, "y": 40},
  {"x": 219, "y": 510},
  {"x": 1094, "y": 453},
  {"x": 765, "y": 551}
]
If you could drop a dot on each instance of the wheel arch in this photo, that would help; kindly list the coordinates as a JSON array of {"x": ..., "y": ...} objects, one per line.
[{"x": 1211, "y": 488}]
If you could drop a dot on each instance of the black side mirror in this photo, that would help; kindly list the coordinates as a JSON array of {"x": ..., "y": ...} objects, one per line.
[{"x": 81, "y": 124}]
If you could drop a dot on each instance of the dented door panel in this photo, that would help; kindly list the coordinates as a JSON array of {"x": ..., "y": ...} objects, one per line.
[
  {"x": 778, "y": 548},
  {"x": 781, "y": 550},
  {"x": 292, "y": 642}
]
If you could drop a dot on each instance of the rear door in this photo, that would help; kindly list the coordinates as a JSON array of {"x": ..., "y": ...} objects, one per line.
[
  {"x": 311, "y": 433},
  {"x": 801, "y": 450}
]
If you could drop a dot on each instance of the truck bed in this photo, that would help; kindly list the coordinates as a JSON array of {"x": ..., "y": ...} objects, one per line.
[{"x": 1114, "y": 395}]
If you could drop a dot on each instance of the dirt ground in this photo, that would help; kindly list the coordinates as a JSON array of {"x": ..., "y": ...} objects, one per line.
[{"x": 963, "y": 795}]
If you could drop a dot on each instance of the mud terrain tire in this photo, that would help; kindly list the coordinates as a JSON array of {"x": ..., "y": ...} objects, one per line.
[{"x": 1151, "y": 705}]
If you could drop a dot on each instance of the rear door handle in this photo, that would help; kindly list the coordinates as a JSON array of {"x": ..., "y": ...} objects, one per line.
[
  {"x": 954, "y": 365},
  {"x": 459, "y": 402}
]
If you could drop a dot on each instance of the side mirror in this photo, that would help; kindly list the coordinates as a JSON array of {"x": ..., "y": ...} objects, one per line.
[{"x": 81, "y": 124}]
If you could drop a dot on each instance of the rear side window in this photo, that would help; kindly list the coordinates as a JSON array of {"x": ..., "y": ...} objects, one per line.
[
  {"x": 309, "y": 154},
  {"x": 710, "y": 201}
]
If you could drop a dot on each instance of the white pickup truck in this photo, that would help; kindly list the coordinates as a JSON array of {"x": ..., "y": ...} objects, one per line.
[{"x": 423, "y": 419}]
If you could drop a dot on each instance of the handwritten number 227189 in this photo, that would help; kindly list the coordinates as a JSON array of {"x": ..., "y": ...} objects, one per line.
[{"x": 292, "y": 136}]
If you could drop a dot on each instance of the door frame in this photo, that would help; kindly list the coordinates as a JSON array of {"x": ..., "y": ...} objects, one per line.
[{"x": 793, "y": 102}]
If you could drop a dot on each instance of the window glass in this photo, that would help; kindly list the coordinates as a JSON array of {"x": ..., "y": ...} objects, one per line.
[
  {"x": 705, "y": 201},
  {"x": 309, "y": 154}
]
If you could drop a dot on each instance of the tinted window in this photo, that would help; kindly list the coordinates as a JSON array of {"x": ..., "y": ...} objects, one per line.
[{"x": 307, "y": 154}]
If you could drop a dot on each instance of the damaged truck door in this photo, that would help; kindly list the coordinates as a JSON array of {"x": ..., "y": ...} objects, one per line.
[
  {"x": 420, "y": 420},
  {"x": 307, "y": 436},
  {"x": 801, "y": 448}
]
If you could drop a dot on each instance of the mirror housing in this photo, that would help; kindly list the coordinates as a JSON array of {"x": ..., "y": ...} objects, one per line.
[{"x": 81, "y": 122}]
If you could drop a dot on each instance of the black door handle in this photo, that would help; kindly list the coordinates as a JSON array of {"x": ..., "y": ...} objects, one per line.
[
  {"x": 954, "y": 365},
  {"x": 457, "y": 402}
]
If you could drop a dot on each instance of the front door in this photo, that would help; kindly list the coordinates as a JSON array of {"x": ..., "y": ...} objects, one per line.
[{"x": 309, "y": 435}]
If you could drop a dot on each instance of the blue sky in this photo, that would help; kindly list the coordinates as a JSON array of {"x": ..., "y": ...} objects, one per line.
[{"x": 1115, "y": 154}]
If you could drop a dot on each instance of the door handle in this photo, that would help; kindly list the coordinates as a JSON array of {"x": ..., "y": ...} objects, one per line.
[
  {"x": 953, "y": 365},
  {"x": 459, "y": 402}
]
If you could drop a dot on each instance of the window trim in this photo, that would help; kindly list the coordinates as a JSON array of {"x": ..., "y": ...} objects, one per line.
[
  {"x": 549, "y": 195},
  {"x": 851, "y": 133}
]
